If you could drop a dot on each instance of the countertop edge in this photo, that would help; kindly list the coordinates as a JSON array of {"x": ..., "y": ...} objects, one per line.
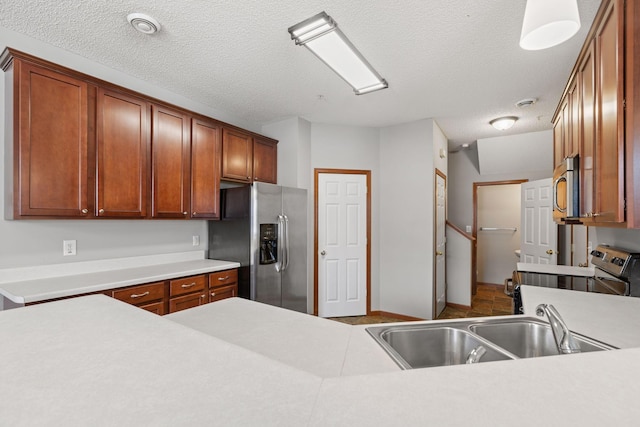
[{"x": 99, "y": 281}]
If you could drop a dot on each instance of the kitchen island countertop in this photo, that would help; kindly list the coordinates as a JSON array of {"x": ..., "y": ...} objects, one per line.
[{"x": 95, "y": 360}]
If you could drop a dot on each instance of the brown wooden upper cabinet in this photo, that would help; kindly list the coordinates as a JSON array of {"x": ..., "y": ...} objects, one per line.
[
  {"x": 122, "y": 151},
  {"x": 205, "y": 169},
  {"x": 50, "y": 121},
  {"x": 171, "y": 151},
  {"x": 265, "y": 160},
  {"x": 247, "y": 159},
  {"x": 84, "y": 148},
  {"x": 237, "y": 155},
  {"x": 589, "y": 120}
]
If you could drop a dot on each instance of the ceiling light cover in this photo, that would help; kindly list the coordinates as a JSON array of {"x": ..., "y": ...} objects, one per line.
[
  {"x": 143, "y": 23},
  {"x": 548, "y": 23},
  {"x": 321, "y": 35},
  {"x": 503, "y": 123}
]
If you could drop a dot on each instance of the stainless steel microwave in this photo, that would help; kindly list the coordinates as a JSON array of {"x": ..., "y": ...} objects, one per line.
[{"x": 566, "y": 189}]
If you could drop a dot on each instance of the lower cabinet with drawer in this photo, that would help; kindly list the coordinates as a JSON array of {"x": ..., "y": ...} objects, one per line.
[
  {"x": 187, "y": 292},
  {"x": 149, "y": 296},
  {"x": 223, "y": 284}
]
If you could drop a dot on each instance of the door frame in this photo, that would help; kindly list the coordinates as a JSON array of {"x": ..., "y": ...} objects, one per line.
[
  {"x": 474, "y": 255},
  {"x": 316, "y": 173},
  {"x": 435, "y": 243}
]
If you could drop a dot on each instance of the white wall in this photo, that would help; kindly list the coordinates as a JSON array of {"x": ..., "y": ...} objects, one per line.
[
  {"x": 463, "y": 172},
  {"x": 351, "y": 147},
  {"x": 407, "y": 219},
  {"x": 33, "y": 242},
  {"x": 527, "y": 152}
]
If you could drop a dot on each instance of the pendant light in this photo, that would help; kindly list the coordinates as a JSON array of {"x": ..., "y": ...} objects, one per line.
[{"x": 548, "y": 23}]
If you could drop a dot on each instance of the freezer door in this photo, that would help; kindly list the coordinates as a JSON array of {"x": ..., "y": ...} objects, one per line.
[
  {"x": 294, "y": 276},
  {"x": 266, "y": 207}
]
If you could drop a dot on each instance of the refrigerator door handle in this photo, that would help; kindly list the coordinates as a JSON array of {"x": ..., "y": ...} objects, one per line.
[
  {"x": 286, "y": 243},
  {"x": 280, "y": 261}
]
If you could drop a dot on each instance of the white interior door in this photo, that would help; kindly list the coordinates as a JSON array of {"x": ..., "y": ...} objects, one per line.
[
  {"x": 539, "y": 233},
  {"x": 441, "y": 291},
  {"x": 342, "y": 245}
]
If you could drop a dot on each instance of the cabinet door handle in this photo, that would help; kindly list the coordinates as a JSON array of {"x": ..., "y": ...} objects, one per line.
[
  {"x": 222, "y": 279},
  {"x": 184, "y": 213},
  {"x": 144, "y": 294},
  {"x": 188, "y": 285},
  {"x": 213, "y": 294},
  {"x": 194, "y": 213},
  {"x": 85, "y": 211},
  {"x": 101, "y": 211}
]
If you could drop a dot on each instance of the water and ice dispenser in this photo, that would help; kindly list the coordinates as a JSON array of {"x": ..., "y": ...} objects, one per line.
[{"x": 268, "y": 243}]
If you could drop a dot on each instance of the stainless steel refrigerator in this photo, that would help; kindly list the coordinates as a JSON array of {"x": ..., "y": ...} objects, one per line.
[{"x": 264, "y": 228}]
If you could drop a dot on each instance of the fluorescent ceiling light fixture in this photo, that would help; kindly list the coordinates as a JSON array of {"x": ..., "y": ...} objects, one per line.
[
  {"x": 321, "y": 35},
  {"x": 503, "y": 123},
  {"x": 548, "y": 23}
]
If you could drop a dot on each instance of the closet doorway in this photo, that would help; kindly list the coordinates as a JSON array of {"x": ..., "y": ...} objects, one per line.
[{"x": 496, "y": 228}]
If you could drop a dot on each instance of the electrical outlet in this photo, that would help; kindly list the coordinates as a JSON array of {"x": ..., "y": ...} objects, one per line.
[
  {"x": 468, "y": 229},
  {"x": 196, "y": 240},
  {"x": 68, "y": 247}
]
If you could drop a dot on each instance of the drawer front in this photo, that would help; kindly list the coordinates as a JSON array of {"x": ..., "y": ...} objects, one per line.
[
  {"x": 138, "y": 295},
  {"x": 226, "y": 277},
  {"x": 154, "y": 307},
  {"x": 187, "y": 285},
  {"x": 223, "y": 292},
  {"x": 186, "y": 301}
]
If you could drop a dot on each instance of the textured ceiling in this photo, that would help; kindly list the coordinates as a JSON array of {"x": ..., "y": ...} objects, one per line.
[{"x": 457, "y": 61}]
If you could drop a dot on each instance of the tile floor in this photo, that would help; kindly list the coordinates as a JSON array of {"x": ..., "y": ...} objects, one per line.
[{"x": 489, "y": 300}]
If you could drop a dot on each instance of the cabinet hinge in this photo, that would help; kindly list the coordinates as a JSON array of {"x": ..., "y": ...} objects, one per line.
[{"x": 624, "y": 104}]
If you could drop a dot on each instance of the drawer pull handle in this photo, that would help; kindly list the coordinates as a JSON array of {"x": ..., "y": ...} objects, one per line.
[
  {"x": 144, "y": 294},
  {"x": 222, "y": 279},
  {"x": 188, "y": 285},
  {"x": 213, "y": 294}
]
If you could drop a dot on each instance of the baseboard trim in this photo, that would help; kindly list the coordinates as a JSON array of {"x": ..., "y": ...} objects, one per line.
[
  {"x": 459, "y": 306},
  {"x": 395, "y": 315}
]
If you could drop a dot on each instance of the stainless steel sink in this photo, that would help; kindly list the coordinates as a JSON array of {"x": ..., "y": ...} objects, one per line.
[
  {"x": 427, "y": 345},
  {"x": 420, "y": 346},
  {"x": 529, "y": 338}
]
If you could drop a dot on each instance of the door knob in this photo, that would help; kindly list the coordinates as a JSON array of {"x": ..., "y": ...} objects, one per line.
[
  {"x": 323, "y": 253},
  {"x": 438, "y": 252},
  {"x": 549, "y": 251}
]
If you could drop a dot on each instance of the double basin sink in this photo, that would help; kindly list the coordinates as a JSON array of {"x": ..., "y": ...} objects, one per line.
[{"x": 427, "y": 345}]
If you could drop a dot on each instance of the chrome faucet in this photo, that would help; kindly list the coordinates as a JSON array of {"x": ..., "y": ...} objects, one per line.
[
  {"x": 475, "y": 354},
  {"x": 564, "y": 340}
]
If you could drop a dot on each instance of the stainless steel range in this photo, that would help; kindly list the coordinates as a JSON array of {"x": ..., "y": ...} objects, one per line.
[
  {"x": 615, "y": 271},
  {"x": 622, "y": 264}
]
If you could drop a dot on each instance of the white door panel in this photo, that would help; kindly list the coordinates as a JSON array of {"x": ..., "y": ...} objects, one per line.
[
  {"x": 441, "y": 292},
  {"x": 540, "y": 233},
  {"x": 342, "y": 245}
]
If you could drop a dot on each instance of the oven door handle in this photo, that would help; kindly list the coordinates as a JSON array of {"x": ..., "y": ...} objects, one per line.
[{"x": 555, "y": 194}]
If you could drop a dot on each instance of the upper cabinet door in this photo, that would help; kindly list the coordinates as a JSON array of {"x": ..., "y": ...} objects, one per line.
[
  {"x": 205, "y": 169},
  {"x": 51, "y": 153},
  {"x": 265, "y": 160},
  {"x": 123, "y": 155},
  {"x": 609, "y": 167},
  {"x": 587, "y": 73},
  {"x": 170, "y": 148},
  {"x": 237, "y": 155}
]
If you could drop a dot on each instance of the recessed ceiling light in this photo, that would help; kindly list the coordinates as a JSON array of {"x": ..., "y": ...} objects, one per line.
[
  {"x": 503, "y": 123},
  {"x": 143, "y": 23},
  {"x": 526, "y": 102}
]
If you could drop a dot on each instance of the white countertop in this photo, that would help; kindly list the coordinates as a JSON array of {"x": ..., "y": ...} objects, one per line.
[
  {"x": 44, "y": 288},
  {"x": 94, "y": 360},
  {"x": 566, "y": 270}
]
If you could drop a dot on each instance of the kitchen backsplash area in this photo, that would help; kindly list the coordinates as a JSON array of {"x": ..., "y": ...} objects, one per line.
[{"x": 621, "y": 237}]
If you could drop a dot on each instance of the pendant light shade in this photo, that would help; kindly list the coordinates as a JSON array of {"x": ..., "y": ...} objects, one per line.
[{"x": 548, "y": 23}]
